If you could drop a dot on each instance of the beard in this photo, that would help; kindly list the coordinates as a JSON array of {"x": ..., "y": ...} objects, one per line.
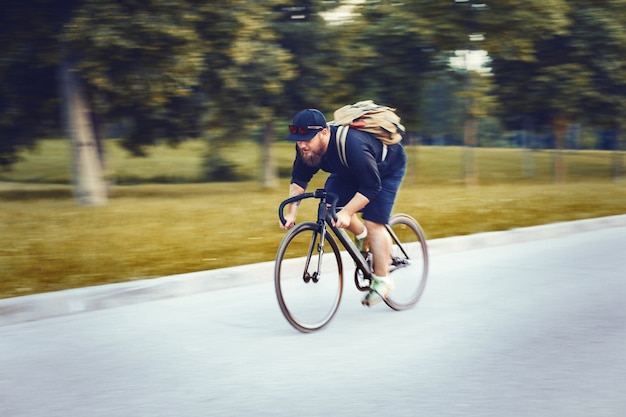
[{"x": 312, "y": 159}]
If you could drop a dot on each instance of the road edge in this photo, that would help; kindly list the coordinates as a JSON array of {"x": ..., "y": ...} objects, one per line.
[{"x": 60, "y": 303}]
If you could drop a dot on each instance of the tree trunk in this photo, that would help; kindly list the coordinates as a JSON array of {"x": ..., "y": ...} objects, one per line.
[
  {"x": 470, "y": 139},
  {"x": 528, "y": 161},
  {"x": 559, "y": 163},
  {"x": 528, "y": 141},
  {"x": 618, "y": 155},
  {"x": 269, "y": 171},
  {"x": 89, "y": 182}
]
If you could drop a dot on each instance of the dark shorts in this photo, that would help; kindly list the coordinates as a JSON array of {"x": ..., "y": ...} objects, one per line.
[{"x": 377, "y": 210}]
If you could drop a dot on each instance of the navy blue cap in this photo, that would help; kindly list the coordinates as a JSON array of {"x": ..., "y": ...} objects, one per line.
[{"x": 306, "y": 125}]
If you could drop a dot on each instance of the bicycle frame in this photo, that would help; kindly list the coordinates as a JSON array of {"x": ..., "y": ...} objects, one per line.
[
  {"x": 356, "y": 255},
  {"x": 347, "y": 243},
  {"x": 326, "y": 218}
]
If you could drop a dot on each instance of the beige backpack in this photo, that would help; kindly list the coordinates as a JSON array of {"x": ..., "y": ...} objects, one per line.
[{"x": 381, "y": 121}]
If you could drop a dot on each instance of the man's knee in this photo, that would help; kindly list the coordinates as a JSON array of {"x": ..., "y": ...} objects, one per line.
[{"x": 373, "y": 227}]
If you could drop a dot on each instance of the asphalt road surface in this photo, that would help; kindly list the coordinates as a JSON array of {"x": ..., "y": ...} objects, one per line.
[{"x": 536, "y": 328}]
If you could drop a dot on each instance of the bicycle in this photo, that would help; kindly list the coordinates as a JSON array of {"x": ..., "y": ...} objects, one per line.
[{"x": 309, "y": 291}]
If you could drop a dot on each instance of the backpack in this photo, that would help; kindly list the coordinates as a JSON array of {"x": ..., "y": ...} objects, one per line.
[{"x": 381, "y": 121}]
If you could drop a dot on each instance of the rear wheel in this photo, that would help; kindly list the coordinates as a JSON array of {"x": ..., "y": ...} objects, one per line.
[
  {"x": 308, "y": 284},
  {"x": 409, "y": 266}
]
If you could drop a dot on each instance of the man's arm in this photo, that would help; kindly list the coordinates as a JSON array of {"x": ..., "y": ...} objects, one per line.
[
  {"x": 355, "y": 204},
  {"x": 292, "y": 209}
]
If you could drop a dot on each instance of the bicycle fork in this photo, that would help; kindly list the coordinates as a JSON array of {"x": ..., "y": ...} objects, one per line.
[
  {"x": 315, "y": 277},
  {"x": 321, "y": 215}
]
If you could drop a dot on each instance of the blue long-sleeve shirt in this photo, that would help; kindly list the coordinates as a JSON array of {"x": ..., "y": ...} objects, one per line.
[{"x": 366, "y": 166}]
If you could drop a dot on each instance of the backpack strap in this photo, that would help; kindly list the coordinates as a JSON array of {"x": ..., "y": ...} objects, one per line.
[{"x": 342, "y": 133}]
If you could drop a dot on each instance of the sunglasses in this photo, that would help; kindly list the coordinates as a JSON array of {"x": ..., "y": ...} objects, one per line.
[{"x": 303, "y": 129}]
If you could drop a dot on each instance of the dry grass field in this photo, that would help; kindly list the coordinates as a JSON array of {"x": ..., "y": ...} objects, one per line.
[{"x": 160, "y": 220}]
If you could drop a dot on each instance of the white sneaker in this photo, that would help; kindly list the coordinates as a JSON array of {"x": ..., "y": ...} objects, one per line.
[{"x": 379, "y": 289}]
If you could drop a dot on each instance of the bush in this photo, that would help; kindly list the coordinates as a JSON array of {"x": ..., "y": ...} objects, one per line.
[{"x": 217, "y": 168}]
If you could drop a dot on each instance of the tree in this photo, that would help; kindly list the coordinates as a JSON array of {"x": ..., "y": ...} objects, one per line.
[
  {"x": 33, "y": 54},
  {"x": 441, "y": 108},
  {"x": 170, "y": 70},
  {"x": 201, "y": 69},
  {"x": 323, "y": 54},
  {"x": 245, "y": 80},
  {"x": 28, "y": 68},
  {"x": 166, "y": 69},
  {"x": 130, "y": 60},
  {"x": 399, "y": 45},
  {"x": 575, "y": 74},
  {"x": 140, "y": 60}
]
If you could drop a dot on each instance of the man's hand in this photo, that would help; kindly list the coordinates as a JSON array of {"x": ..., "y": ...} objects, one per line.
[
  {"x": 344, "y": 216},
  {"x": 290, "y": 221},
  {"x": 343, "y": 219},
  {"x": 292, "y": 210}
]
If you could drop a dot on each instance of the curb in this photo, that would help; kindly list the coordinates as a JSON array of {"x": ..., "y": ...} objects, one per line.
[
  {"x": 40, "y": 306},
  {"x": 523, "y": 234}
]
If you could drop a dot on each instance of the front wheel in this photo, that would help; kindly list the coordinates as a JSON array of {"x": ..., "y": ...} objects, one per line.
[
  {"x": 409, "y": 264},
  {"x": 308, "y": 282}
]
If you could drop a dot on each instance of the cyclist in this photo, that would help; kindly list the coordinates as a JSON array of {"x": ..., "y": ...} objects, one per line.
[{"x": 368, "y": 184}]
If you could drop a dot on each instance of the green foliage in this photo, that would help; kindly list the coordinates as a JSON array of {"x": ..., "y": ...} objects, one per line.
[
  {"x": 578, "y": 73},
  {"x": 179, "y": 69},
  {"x": 168, "y": 69},
  {"x": 148, "y": 49},
  {"x": 322, "y": 56},
  {"x": 397, "y": 42},
  {"x": 217, "y": 168},
  {"x": 476, "y": 92},
  {"x": 28, "y": 91},
  {"x": 442, "y": 110},
  {"x": 142, "y": 62},
  {"x": 513, "y": 28},
  {"x": 244, "y": 89}
]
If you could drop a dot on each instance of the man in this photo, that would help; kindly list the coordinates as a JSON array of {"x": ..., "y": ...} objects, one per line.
[{"x": 368, "y": 184}]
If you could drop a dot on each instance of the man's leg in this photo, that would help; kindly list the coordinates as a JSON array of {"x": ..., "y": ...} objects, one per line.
[
  {"x": 380, "y": 246},
  {"x": 356, "y": 225},
  {"x": 345, "y": 189}
]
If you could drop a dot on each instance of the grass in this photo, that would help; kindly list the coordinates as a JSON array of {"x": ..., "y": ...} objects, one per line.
[
  {"x": 169, "y": 223},
  {"x": 49, "y": 163}
]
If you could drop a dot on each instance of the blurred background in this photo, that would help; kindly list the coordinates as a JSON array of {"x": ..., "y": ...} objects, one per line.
[
  {"x": 532, "y": 74},
  {"x": 107, "y": 93}
]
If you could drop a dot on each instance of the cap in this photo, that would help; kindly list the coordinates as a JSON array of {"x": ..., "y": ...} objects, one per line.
[{"x": 306, "y": 125}]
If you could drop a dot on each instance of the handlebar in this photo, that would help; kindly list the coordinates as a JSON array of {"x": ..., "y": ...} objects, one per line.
[{"x": 320, "y": 193}]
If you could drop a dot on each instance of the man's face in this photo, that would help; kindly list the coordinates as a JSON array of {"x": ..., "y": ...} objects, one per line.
[{"x": 314, "y": 150}]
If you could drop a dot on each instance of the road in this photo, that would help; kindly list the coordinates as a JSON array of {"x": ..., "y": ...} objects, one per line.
[{"x": 535, "y": 328}]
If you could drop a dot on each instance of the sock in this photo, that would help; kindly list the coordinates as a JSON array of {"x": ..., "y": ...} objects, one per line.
[
  {"x": 384, "y": 279},
  {"x": 362, "y": 235}
]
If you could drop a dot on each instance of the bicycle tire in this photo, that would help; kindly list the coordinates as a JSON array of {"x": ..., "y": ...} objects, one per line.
[
  {"x": 308, "y": 305},
  {"x": 409, "y": 273}
]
